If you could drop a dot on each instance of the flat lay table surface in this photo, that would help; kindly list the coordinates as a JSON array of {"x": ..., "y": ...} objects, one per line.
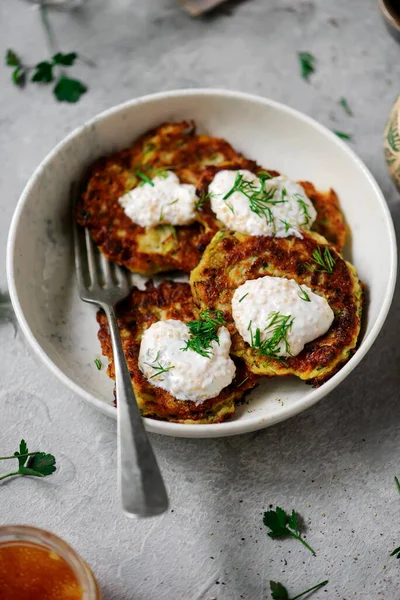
[{"x": 334, "y": 464}]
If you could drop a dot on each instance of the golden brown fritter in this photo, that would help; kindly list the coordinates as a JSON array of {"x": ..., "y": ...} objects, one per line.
[
  {"x": 170, "y": 300},
  {"x": 195, "y": 159},
  {"x": 163, "y": 248},
  {"x": 232, "y": 258},
  {"x": 330, "y": 222}
]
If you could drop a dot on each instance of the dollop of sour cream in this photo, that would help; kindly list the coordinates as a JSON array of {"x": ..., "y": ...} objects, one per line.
[
  {"x": 270, "y": 302},
  {"x": 163, "y": 201},
  {"x": 184, "y": 373},
  {"x": 281, "y": 205}
]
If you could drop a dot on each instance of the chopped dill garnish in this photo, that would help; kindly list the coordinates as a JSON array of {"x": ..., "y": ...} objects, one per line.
[
  {"x": 199, "y": 204},
  {"x": 260, "y": 198},
  {"x": 278, "y": 327},
  {"x": 242, "y": 382},
  {"x": 204, "y": 331},
  {"x": 144, "y": 178},
  {"x": 98, "y": 363},
  {"x": 304, "y": 207},
  {"x": 286, "y": 224},
  {"x": 324, "y": 260},
  {"x": 157, "y": 366},
  {"x": 243, "y": 297},
  {"x": 264, "y": 175},
  {"x": 303, "y": 295},
  {"x": 173, "y": 202},
  {"x": 161, "y": 214},
  {"x": 342, "y": 135},
  {"x": 174, "y": 233},
  {"x": 345, "y": 105}
]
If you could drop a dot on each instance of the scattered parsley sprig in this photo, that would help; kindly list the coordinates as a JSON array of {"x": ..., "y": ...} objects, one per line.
[
  {"x": 307, "y": 64},
  {"x": 283, "y": 525},
  {"x": 36, "y": 464},
  {"x": 204, "y": 331},
  {"x": 323, "y": 259},
  {"x": 279, "y": 592}
]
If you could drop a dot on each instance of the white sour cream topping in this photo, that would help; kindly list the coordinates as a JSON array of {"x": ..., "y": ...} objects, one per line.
[
  {"x": 190, "y": 376},
  {"x": 294, "y": 210},
  {"x": 257, "y": 301},
  {"x": 167, "y": 201}
]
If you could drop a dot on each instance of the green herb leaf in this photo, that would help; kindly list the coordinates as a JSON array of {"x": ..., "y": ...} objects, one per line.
[
  {"x": 39, "y": 464},
  {"x": 242, "y": 382},
  {"x": 12, "y": 59},
  {"x": 68, "y": 90},
  {"x": 22, "y": 454},
  {"x": 344, "y": 104},
  {"x": 396, "y": 552},
  {"x": 42, "y": 463},
  {"x": 65, "y": 59},
  {"x": 243, "y": 297},
  {"x": 283, "y": 525},
  {"x": 19, "y": 76},
  {"x": 279, "y": 592},
  {"x": 277, "y": 329},
  {"x": 307, "y": 64},
  {"x": 204, "y": 196},
  {"x": 303, "y": 294},
  {"x": 324, "y": 260},
  {"x": 158, "y": 367},
  {"x": 397, "y": 484},
  {"x": 204, "y": 331},
  {"x": 43, "y": 72},
  {"x": 144, "y": 178},
  {"x": 342, "y": 136},
  {"x": 98, "y": 363}
]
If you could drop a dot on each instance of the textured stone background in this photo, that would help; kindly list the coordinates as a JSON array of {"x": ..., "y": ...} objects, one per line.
[{"x": 335, "y": 464}]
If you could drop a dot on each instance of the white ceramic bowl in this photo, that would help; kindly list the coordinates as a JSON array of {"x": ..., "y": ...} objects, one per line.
[{"x": 63, "y": 330}]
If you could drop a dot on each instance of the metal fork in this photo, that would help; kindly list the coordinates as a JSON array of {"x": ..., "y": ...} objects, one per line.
[{"x": 104, "y": 283}]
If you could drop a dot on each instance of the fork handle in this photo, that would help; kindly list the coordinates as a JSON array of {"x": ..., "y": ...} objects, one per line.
[{"x": 141, "y": 484}]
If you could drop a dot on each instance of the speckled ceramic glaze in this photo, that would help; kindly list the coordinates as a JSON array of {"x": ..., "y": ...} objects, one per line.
[
  {"x": 392, "y": 143},
  {"x": 63, "y": 330}
]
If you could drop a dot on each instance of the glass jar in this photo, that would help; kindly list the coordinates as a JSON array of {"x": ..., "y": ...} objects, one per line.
[{"x": 22, "y": 536}]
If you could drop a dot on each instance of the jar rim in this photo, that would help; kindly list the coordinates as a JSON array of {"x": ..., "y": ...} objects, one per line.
[{"x": 27, "y": 534}]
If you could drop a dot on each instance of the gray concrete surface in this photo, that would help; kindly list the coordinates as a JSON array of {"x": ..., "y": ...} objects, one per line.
[{"x": 335, "y": 463}]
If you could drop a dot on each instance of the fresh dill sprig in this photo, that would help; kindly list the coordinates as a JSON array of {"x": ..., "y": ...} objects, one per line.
[
  {"x": 243, "y": 297},
  {"x": 397, "y": 484},
  {"x": 161, "y": 214},
  {"x": 278, "y": 327},
  {"x": 144, "y": 178},
  {"x": 303, "y": 294},
  {"x": 157, "y": 366},
  {"x": 260, "y": 198},
  {"x": 204, "y": 196},
  {"x": 204, "y": 331},
  {"x": 304, "y": 208},
  {"x": 345, "y": 105},
  {"x": 342, "y": 135},
  {"x": 286, "y": 224},
  {"x": 324, "y": 260},
  {"x": 242, "y": 382}
]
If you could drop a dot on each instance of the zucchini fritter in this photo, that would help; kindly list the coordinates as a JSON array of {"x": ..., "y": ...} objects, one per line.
[
  {"x": 232, "y": 258},
  {"x": 170, "y": 300},
  {"x": 152, "y": 250},
  {"x": 195, "y": 159}
]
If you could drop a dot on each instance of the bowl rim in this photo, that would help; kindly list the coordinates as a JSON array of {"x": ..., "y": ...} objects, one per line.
[{"x": 232, "y": 427}]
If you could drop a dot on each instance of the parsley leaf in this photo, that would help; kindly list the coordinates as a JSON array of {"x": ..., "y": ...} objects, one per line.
[
  {"x": 68, "y": 90},
  {"x": 12, "y": 59},
  {"x": 342, "y": 135},
  {"x": 307, "y": 61},
  {"x": 36, "y": 464},
  {"x": 67, "y": 60},
  {"x": 44, "y": 72},
  {"x": 283, "y": 525},
  {"x": 279, "y": 592},
  {"x": 19, "y": 76}
]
